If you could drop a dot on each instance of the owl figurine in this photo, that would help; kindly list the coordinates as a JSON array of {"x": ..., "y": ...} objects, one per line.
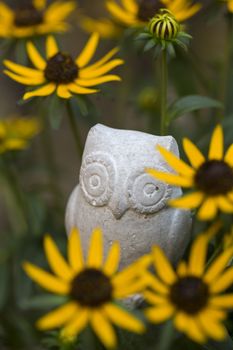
[{"x": 116, "y": 194}]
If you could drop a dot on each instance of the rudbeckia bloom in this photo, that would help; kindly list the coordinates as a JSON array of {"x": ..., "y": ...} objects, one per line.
[
  {"x": 61, "y": 73},
  {"x": 193, "y": 295},
  {"x": 16, "y": 133},
  {"x": 34, "y": 18},
  {"x": 133, "y": 13},
  {"x": 91, "y": 288},
  {"x": 212, "y": 178}
]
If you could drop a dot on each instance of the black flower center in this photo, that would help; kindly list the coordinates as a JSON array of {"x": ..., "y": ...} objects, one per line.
[
  {"x": 61, "y": 69},
  {"x": 91, "y": 288},
  {"x": 147, "y": 9},
  {"x": 189, "y": 294},
  {"x": 214, "y": 177},
  {"x": 27, "y": 15}
]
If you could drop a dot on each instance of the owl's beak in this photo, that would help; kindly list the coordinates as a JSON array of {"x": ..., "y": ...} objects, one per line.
[{"x": 119, "y": 207}]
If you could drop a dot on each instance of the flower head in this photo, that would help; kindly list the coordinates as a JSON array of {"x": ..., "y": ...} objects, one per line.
[
  {"x": 133, "y": 13},
  {"x": 164, "y": 26},
  {"x": 34, "y": 17},
  {"x": 211, "y": 178},
  {"x": 193, "y": 295},
  {"x": 61, "y": 73},
  {"x": 17, "y": 132},
  {"x": 91, "y": 288}
]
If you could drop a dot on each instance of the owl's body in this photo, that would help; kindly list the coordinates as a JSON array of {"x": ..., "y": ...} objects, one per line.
[{"x": 116, "y": 194}]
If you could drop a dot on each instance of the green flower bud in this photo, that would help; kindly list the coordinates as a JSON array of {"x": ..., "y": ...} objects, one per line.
[{"x": 164, "y": 26}]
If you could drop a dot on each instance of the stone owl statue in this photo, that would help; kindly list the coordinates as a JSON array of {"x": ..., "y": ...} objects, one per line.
[{"x": 116, "y": 194}]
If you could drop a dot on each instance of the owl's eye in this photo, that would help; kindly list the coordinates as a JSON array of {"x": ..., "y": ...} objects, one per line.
[
  {"x": 97, "y": 178},
  {"x": 146, "y": 194}
]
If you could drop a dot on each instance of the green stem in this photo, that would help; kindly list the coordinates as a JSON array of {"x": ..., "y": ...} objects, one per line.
[
  {"x": 74, "y": 129},
  {"x": 164, "y": 77},
  {"x": 167, "y": 336}
]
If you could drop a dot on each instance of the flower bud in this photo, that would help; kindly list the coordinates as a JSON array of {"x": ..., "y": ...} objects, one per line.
[{"x": 164, "y": 26}]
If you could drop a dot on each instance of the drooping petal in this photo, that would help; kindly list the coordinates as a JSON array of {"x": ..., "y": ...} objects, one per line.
[
  {"x": 88, "y": 51},
  {"x": 98, "y": 81},
  {"x": 24, "y": 71},
  {"x": 176, "y": 163},
  {"x": 112, "y": 261},
  {"x": 216, "y": 144},
  {"x": 103, "y": 329},
  {"x": 208, "y": 209},
  {"x": 63, "y": 91},
  {"x": 189, "y": 201},
  {"x": 171, "y": 179},
  {"x": 198, "y": 254},
  {"x": 95, "y": 254},
  {"x": 58, "y": 317},
  {"x": 195, "y": 332},
  {"x": 46, "y": 280},
  {"x": 224, "y": 204},
  {"x": 35, "y": 56},
  {"x": 163, "y": 266},
  {"x": 45, "y": 90},
  {"x": 160, "y": 313},
  {"x": 229, "y": 156},
  {"x": 194, "y": 155},
  {"x": 75, "y": 253},
  {"x": 76, "y": 89},
  {"x": 51, "y": 47},
  {"x": 219, "y": 264},
  {"x": 25, "y": 80},
  {"x": 123, "y": 319},
  {"x": 181, "y": 320},
  {"x": 212, "y": 327},
  {"x": 56, "y": 261},
  {"x": 77, "y": 323}
]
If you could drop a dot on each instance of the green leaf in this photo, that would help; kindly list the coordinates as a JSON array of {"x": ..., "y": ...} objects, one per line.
[
  {"x": 43, "y": 302},
  {"x": 149, "y": 45},
  {"x": 191, "y": 103}
]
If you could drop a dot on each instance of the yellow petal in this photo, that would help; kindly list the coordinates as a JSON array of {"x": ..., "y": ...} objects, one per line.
[
  {"x": 195, "y": 332},
  {"x": 160, "y": 313},
  {"x": 181, "y": 321},
  {"x": 198, "y": 254},
  {"x": 213, "y": 328},
  {"x": 163, "y": 266},
  {"x": 120, "y": 14},
  {"x": 219, "y": 264},
  {"x": 57, "y": 317},
  {"x": 123, "y": 319},
  {"x": 98, "y": 72},
  {"x": 208, "y": 209},
  {"x": 39, "y": 4},
  {"x": 98, "y": 81},
  {"x": 216, "y": 144},
  {"x": 88, "y": 51},
  {"x": 46, "y": 280},
  {"x": 153, "y": 298},
  {"x": 75, "y": 254},
  {"x": 95, "y": 254},
  {"x": 56, "y": 260},
  {"x": 225, "y": 205},
  {"x": 35, "y": 56},
  {"x": 113, "y": 259},
  {"x": 105, "y": 27},
  {"x": 103, "y": 60},
  {"x": 45, "y": 90},
  {"x": 176, "y": 163},
  {"x": 58, "y": 11},
  {"x": 194, "y": 155},
  {"x": 222, "y": 301},
  {"x": 223, "y": 282},
  {"x": 154, "y": 283},
  {"x": 130, "y": 288},
  {"x": 229, "y": 156},
  {"x": 130, "y": 5},
  {"x": 6, "y": 13},
  {"x": 63, "y": 92},
  {"x": 25, "y": 80},
  {"x": 24, "y": 71},
  {"x": 189, "y": 201},
  {"x": 51, "y": 47},
  {"x": 182, "y": 269},
  {"x": 81, "y": 90},
  {"x": 171, "y": 179},
  {"x": 77, "y": 323},
  {"x": 103, "y": 329}
]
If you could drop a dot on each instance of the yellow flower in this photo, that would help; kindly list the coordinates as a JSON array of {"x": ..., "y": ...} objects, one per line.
[
  {"x": 193, "y": 295},
  {"x": 91, "y": 287},
  {"x": 60, "y": 73},
  {"x": 16, "y": 133},
  {"x": 212, "y": 178},
  {"x": 34, "y": 18},
  {"x": 133, "y": 13}
]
